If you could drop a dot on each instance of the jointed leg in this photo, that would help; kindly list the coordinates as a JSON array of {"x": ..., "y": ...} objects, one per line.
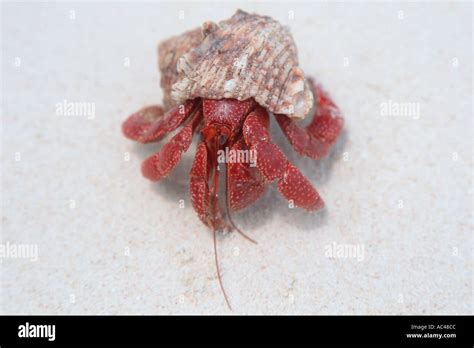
[
  {"x": 317, "y": 138},
  {"x": 244, "y": 182},
  {"x": 163, "y": 162},
  {"x": 274, "y": 166},
  {"x": 152, "y": 123},
  {"x": 204, "y": 197}
]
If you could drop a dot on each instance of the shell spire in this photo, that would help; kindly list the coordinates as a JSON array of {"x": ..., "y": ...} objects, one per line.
[{"x": 246, "y": 56}]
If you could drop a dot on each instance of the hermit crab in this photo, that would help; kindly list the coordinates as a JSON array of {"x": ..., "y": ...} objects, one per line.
[{"x": 223, "y": 81}]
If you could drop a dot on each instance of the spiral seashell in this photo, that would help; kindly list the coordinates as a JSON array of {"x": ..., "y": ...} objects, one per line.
[{"x": 246, "y": 56}]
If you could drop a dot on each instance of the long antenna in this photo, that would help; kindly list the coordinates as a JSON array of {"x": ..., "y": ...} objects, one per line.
[{"x": 218, "y": 271}]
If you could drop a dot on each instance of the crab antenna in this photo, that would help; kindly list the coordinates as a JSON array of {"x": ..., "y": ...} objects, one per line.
[
  {"x": 218, "y": 271},
  {"x": 227, "y": 208},
  {"x": 214, "y": 198}
]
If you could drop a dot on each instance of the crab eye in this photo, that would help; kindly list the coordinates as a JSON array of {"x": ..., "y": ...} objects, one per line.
[
  {"x": 223, "y": 139},
  {"x": 224, "y": 135}
]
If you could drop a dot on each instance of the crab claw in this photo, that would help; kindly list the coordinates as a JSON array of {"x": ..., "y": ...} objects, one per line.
[
  {"x": 274, "y": 166},
  {"x": 317, "y": 138},
  {"x": 152, "y": 123}
]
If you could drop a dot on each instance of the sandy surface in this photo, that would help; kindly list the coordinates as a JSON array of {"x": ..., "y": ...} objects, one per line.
[{"x": 398, "y": 187}]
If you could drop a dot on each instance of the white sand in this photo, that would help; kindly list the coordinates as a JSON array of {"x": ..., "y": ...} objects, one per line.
[{"x": 125, "y": 246}]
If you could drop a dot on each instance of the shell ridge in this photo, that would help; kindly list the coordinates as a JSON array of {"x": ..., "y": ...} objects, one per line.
[
  {"x": 284, "y": 85},
  {"x": 270, "y": 73},
  {"x": 262, "y": 80}
]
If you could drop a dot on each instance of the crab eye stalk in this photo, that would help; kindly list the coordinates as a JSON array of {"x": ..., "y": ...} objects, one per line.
[
  {"x": 224, "y": 135},
  {"x": 223, "y": 139}
]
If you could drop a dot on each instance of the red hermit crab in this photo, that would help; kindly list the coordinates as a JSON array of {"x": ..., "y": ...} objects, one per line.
[{"x": 223, "y": 81}]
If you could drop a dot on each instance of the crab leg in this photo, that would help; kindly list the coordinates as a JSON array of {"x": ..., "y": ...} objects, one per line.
[
  {"x": 204, "y": 196},
  {"x": 163, "y": 162},
  {"x": 317, "y": 138},
  {"x": 244, "y": 182},
  {"x": 152, "y": 123},
  {"x": 274, "y": 166}
]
